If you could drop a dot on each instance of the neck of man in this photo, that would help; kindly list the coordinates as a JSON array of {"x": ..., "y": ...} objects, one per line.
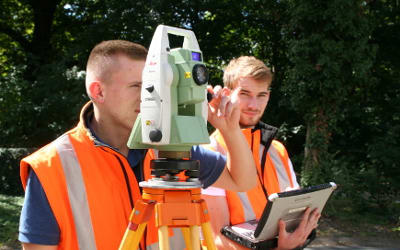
[
  {"x": 244, "y": 126},
  {"x": 110, "y": 133}
]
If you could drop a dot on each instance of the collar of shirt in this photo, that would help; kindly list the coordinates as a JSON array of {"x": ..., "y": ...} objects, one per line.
[{"x": 134, "y": 155}]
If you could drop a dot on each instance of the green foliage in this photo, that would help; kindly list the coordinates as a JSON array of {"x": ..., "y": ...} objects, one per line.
[
  {"x": 10, "y": 182},
  {"x": 33, "y": 114},
  {"x": 330, "y": 59},
  {"x": 10, "y": 208}
]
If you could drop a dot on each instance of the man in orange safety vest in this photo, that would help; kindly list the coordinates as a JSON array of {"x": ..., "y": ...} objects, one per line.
[{"x": 250, "y": 78}]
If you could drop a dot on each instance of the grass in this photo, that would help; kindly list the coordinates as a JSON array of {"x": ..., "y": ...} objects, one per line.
[{"x": 10, "y": 209}]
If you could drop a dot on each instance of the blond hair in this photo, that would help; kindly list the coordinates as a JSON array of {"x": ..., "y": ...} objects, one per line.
[{"x": 246, "y": 66}]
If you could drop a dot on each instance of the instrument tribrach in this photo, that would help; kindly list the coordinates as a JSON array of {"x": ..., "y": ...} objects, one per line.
[{"x": 173, "y": 118}]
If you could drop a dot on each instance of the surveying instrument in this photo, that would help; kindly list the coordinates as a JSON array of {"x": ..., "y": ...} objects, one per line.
[{"x": 172, "y": 119}]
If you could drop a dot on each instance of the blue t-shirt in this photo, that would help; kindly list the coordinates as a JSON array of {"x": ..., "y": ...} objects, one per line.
[{"x": 38, "y": 224}]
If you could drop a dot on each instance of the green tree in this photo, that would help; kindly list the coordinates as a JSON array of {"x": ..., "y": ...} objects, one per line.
[
  {"x": 44, "y": 46},
  {"x": 330, "y": 62}
]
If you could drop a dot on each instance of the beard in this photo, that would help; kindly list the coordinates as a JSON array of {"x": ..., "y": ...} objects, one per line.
[{"x": 248, "y": 123}]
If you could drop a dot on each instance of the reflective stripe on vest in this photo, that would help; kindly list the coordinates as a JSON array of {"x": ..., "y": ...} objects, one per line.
[
  {"x": 76, "y": 193},
  {"x": 247, "y": 208},
  {"x": 281, "y": 167}
]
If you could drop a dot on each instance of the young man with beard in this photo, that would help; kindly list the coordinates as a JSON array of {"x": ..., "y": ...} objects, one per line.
[{"x": 251, "y": 79}]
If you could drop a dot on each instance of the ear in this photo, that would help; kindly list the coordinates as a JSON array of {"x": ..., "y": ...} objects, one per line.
[{"x": 96, "y": 92}]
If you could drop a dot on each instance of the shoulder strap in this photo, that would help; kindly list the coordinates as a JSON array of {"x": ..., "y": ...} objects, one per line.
[{"x": 267, "y": 135}]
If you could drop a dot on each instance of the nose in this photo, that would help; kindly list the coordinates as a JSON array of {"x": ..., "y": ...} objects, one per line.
[{"x": 252, "y": 103}]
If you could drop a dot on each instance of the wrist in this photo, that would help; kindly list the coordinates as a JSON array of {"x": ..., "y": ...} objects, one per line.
[{"x": 231, "y": 133}]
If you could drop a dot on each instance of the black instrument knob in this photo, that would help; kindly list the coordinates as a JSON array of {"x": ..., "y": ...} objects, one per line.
[{"x": 155, "y": 135}]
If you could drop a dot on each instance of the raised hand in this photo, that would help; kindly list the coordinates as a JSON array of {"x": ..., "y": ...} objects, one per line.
[{"x": 223, "y": 109}]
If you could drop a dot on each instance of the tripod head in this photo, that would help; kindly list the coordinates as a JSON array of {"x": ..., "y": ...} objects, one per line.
[{"x": 173, "y": 109}]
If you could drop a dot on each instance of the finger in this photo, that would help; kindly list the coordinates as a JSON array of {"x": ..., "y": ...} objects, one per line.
[
  {"x": 215, "y": 100},
  {"x": 235, "y": 95},
  {"x": 314, "y": 218},
  {"x": 210, "y": 89},
  {"x": 314, "y": 215},
  {"x": 211, "y": 111},
  {"x": 217, "y": 90},
  {"x": 228, "y": 109},
  {"x": 312, "y": 222},
  {"x": 282, "y": 229},
  {"x": 235, "y": 111},
  {"x": 304, "y": 221},
  {"x": 222, "y": 105},
  {"x": 315, "y": 211},
  {"x": 225, "y": 91}
]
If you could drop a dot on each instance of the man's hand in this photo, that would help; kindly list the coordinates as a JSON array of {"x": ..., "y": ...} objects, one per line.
[
  {"x": 288, "y": 240},
  {"x": 223, "y": 109},
  {"x": 240, "y": 173}
]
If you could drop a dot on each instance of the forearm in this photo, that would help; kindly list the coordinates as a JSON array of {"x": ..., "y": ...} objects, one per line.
[
  {"x": 30, "y": 246},
  {"x": 240, "y": 162},
  {"x": 219, "y": 215}
]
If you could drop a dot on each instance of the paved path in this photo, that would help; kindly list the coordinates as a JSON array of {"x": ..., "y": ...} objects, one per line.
[
  {"x": 350, "y": 247},
  {"x": 346, "y": 243}
]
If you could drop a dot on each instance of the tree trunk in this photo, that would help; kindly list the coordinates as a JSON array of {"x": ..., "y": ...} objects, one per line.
[{"x": 316, "y": 148}]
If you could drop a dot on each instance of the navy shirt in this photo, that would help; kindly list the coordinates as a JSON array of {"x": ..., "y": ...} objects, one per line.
[{"x": 38, "y": 224}]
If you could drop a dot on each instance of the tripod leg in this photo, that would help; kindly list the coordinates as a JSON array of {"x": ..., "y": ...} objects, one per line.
[
  {"x": 195, "y": 237},
  {"x": 206, "y": 226},
  {"x": 208, "y": 237},
  {"x": 137, "y": 224},
  {"x": 163, "y": 239},
  {"x": 186, "y": 236},
  {"x": 132, "y": 238}
]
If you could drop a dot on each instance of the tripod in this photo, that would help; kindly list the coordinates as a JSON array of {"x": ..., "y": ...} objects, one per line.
[{"x": 174, "y": 203}]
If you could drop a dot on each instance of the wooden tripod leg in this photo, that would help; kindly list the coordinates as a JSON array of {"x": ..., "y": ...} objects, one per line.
[
  {"x": 137, "y": 224},
  {"x": 132, "y": 238},
  {"x": 186, "y": 236},
  {"x": 208, "y": 237},
  {"x": 163, "y": 240},
  {"x": 206, "y": 226},
  {"x": 195, "y": 237}
]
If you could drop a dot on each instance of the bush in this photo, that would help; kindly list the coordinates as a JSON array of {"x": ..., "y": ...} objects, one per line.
[
  {"x": 10, "y": 209},
  {"x": 10, "y": 183}
]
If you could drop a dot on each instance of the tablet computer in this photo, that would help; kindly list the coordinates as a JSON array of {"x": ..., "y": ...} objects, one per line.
[{"x": 288, "y": 206}]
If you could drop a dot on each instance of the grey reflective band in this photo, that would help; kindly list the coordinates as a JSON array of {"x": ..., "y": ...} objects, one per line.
[
  {"x": 76, "y": 193},
  {"x": 283, "y": 177},
  {"x": 247, "y": 207}
]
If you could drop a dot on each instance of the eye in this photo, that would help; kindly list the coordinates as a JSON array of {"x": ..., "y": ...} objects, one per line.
[
  {"x": 263, "y": 95},
  {"x": 135, "y": 85}
]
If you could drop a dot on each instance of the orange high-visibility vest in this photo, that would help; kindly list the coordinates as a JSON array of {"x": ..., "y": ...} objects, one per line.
[
  {"x": 91, "y": 189},
  {"x": 275, "y": 176}
]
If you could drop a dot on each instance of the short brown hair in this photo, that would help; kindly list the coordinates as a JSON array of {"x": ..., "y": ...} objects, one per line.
[
  {"x": 101, "y": 56},
  {"x": 246, "y": 66}
]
